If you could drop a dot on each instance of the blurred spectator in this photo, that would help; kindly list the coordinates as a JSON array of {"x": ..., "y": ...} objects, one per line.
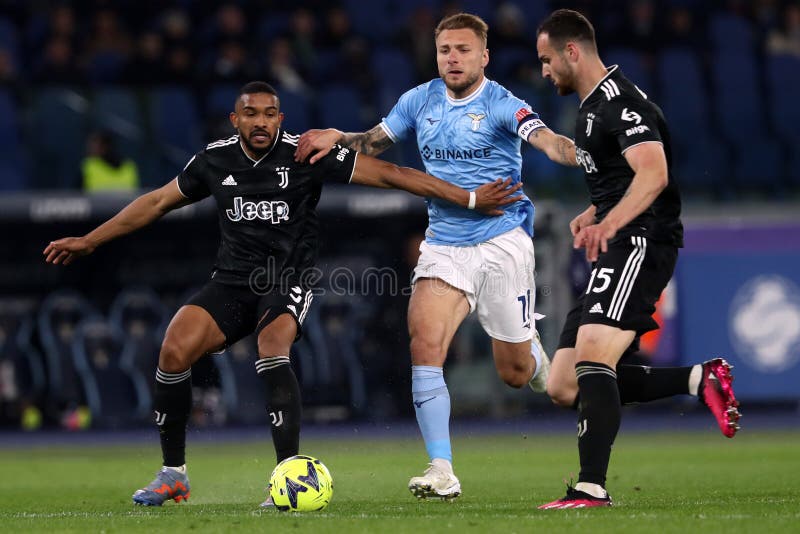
[
  {"x": 8, "y": 70},
  {"x": 147, "y": 65},
  {"x": 338, "y": 29},
  {"x": 180, "y": 66},
  {"x": 108, "y": 47},
  {"x": 231, "y": 26},
  {"x": 176, "y": 27},
  {"x": 231, "y": 63},
  {"x": 416, "y": 38},
  {"x": 281, "y": 70},
  {"x": 301, "y": 38},
  {"x": 786, "y": 40},
  {"x": 58, "y": 64},
  {"x": 103, "y": 169},
  {"x": 683, "y": 29},
  {"x": 640, "y": 28},
  {"x": 510, "y": 28}
]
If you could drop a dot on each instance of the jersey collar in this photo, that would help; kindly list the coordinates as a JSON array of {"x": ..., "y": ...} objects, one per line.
[
  {"x": 466, "y": 99},
  {"x": 611, "y": 71},
  {"x": 278, "y": 134}
]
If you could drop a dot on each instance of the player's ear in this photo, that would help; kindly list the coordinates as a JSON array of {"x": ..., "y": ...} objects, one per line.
[
  {"x": 280, "y": 118},
  {"x": 485, "y": 58},
  {"x": 234, "y": 118},
  {"x": 572, "y": 51}
]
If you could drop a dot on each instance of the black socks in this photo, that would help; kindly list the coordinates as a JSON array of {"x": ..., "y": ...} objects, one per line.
[
  {"x": 283, "y": 404},
  {"x": 598, "y": 419},
  {"x": 173, "y": 405}
]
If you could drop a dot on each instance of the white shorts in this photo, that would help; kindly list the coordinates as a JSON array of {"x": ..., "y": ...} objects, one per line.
[{"x": 496, "y": 276}]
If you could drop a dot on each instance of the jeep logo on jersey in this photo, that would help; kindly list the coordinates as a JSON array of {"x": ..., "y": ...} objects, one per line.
[
  {"x": 283, "y": 172},
  {"x": 272, "y": 211},
  {"x": 585, "y": 159},
  {"x": 429, "y": 153},
  {"x": 631, "y": 116}
]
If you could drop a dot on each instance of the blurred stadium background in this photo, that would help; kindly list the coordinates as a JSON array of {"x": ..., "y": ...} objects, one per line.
[{"x": 141, "y": 86}]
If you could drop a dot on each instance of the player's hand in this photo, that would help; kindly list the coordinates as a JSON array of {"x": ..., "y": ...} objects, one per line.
[
  {"x": 594, "y": 238},
  {"x": 581, "y": 221},
  {"x": 67, "y": 249},
  {"x": 491, "y": 196},
  {"x": 319, "y": 141}
]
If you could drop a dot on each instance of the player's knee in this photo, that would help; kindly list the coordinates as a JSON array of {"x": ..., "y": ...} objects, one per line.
[
  {"x": 560, "y": 394},
  {"x": 516, "y": 376},
  {"x": 174, "y": 356}
]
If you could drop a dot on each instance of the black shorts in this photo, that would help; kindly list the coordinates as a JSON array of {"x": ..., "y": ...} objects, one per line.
[
  {"x": 624, "y": 286},
  {"x": 239, "y": 312}
]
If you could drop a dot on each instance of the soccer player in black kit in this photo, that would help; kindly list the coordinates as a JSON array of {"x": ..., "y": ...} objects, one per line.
[
  {"x": 269, "y": 238},
  {"x": 631, "y": 233}
]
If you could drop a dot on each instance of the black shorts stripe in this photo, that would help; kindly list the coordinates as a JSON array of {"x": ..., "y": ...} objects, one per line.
[{"x": 629, "y": 274}]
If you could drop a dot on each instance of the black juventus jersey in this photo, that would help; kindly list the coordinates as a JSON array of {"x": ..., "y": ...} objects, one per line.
[
  {"x": 613, "y": 118},
  {"x": 267, "y": 218}
]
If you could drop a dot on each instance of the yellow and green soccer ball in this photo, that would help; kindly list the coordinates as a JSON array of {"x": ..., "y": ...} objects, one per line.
[{"x": 301, "y": 484}]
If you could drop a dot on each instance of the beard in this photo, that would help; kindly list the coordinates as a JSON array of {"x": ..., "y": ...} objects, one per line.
[
  {"x": 462, "y": 86},
  {"x": 254, "y": 150}
]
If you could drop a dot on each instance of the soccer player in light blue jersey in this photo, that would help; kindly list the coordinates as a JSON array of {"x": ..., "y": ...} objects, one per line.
[{"x": 469, "y": 130}]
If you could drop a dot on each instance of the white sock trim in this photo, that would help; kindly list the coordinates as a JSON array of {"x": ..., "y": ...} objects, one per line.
[
  {"x": 537, "y": 356},
  {"x": 595, "y": 490},
  {"x": 179, "y": 469},
  {"x": 694, "y": 379}
]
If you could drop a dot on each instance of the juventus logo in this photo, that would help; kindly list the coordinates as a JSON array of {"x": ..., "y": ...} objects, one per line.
[
  {"x": 589, "y": 122},
  {"x": 283, "y": 172},
  {"x": 583, "y": 427},
  {"x": 476, "y": 120},
  {"x": 160, "y": 418},
  {"x": 276, "y": 419}
]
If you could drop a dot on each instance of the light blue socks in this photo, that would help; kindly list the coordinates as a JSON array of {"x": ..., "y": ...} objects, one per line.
[{"x": 432, "y": 405}]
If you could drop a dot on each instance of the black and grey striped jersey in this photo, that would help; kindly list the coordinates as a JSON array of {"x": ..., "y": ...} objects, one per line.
[
  {"x": 614, "y": 117},
  {"x": 266, "y": 208}
]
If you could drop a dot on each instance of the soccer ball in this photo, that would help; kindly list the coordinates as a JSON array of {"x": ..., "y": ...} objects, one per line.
[{"x": 301, "y": 484}]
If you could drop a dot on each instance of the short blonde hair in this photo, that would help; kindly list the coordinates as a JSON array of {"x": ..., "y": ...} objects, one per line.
[{"x": 461, "y": 21}]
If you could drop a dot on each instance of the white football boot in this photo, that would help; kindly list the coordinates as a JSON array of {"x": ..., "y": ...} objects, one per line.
[{"x": 438, "y": 482}]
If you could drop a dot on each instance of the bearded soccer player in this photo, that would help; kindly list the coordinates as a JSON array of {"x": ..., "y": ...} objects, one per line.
[
  {"x": 469, "y": 130},
  {"x": 631, "y": 233},
  {"x": 266, "y": 204}
]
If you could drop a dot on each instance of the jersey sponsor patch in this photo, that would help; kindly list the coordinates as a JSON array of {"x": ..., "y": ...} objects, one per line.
[
  {"x": 631, "y": 116},
  {"x": 637, "y": 130},
  {"x": 522, "y": 113},
  {"x": 526, "y": 127}
]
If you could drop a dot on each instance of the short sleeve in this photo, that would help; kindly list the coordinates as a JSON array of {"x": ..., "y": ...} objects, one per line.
[
  {"x": 401, "y": 120},
  {"x": 191, "y": 181},
  {"x": 338, "y": 165},
  {"x": 632, "y": 122},
  {"x": 517, "y": 117}
]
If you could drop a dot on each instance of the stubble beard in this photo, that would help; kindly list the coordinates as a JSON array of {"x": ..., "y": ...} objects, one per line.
[{"x": 463, "y": 86}]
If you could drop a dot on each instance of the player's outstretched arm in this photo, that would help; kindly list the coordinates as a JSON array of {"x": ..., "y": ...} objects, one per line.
[
  {"x": 557, "y": 147},
  {"x": 320, "y": 142},
  {"x": 649, "y": 163},
  {"x": 487, "y": 198},
  {"x": 140, "y": 212}
]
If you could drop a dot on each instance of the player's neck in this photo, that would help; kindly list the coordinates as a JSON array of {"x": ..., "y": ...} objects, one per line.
[
  {"x": 464, "y": 93},
  {"x": 593, "y": 72}
]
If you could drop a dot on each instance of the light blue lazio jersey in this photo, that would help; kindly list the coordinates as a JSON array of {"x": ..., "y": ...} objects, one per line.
[{"x": 467, "y": 142}]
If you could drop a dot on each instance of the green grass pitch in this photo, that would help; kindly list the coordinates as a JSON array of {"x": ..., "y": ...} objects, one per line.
[{"x": 661, "y": 482}]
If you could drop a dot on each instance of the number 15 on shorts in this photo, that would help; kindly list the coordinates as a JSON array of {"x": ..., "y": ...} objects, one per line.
[{"x": 603, "y": 278}]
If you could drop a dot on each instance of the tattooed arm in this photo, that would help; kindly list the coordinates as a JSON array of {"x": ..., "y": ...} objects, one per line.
[
  {"x": 319, "y": 142},
  {"x": 557, "y": 147}
]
